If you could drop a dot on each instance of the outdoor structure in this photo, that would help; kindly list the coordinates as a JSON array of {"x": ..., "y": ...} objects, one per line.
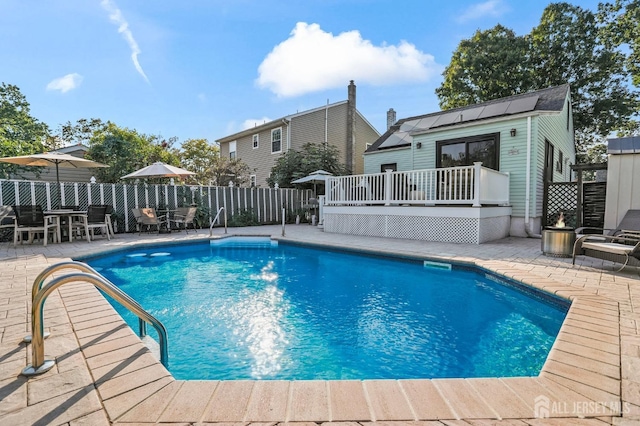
[
  {"x": 66, "y": 174},
  {"x": 471, "y": 174},
  {"x": 623, "y": 175},
  {"x": 338, "y": 124}
]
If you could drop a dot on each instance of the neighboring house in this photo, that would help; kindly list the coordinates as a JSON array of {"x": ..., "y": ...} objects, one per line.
[
  {"x": 339, "y": 124},
  {"x": 48, "y": 174},
  {"x": 529, "y": 136}
]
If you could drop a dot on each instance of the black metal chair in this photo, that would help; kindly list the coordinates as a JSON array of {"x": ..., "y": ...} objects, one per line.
[
  {"x": 31, "y": 219},
  {"x": 97, "y": 219}
]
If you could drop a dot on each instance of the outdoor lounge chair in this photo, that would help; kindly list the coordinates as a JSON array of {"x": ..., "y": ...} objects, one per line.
[
  {"x": 185, "y": 216},
  {"x": 630, "y": 222},
  {"x": 31, "y": 219},
  {"x": 621, "y": 248},
  {"x": 148, "y": 217}
]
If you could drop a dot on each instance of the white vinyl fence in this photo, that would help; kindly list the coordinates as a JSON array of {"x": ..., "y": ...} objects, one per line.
[{"x": 265, "y": 203}]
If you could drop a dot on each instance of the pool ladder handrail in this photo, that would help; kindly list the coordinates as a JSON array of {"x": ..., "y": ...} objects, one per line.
[
  {"x": 40, "y": 293},
  {"x": 213, "y": 222}
]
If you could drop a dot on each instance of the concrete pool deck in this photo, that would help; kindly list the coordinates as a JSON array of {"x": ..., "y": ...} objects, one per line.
[{"x": 105, "y": 375}]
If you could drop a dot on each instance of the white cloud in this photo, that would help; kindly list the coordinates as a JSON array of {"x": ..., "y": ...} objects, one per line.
[
  {"x": 312, "y": 59},
  {"x": 115, "y": 15},
  {"x": 66, "y": 83},
  {"x": 250, "y": 123},
  {"x": 493, "y": 8}
]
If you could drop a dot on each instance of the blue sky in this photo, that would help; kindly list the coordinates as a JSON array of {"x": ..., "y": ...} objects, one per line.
[{"x": 209, "y": 68}]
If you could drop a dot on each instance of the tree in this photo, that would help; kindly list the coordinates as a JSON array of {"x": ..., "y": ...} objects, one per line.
[
  {"x": 20, "y": 133},
  {"x": 126, "y": 151},
  {"x": 491, "y": 64},
  {"x": 226, "y": 171},
  {"x": 82, "y": 131},
  {"x": 568, "y": 46},
  {"x": 294, "y": 164},
  {"x": 202, "y": 158},
  {"x": 620, "y": 28}
]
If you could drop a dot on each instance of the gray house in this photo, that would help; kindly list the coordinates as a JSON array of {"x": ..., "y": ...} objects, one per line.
[
  {"x": 520, "y": 141},
  {"x": 339, "y": 124}
]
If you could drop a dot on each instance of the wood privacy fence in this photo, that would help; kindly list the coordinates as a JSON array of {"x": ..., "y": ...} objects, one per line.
[{"x": 265, "y": 204}]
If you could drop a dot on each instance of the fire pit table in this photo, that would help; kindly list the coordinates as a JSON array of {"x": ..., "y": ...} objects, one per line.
[{"x": 558, "y": 241}]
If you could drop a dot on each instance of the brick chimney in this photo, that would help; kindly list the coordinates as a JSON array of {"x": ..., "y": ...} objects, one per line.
[
  {"x": 391, "y": 118},
  {"x": 351, "y": 127}
]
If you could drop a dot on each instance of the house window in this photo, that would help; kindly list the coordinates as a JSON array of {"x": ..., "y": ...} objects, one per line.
[
  {"x": 560, "y": 162},
  {"x": 232, "y": 150},
  {"x": 252, "y": 181},
  {"x": 466, "y": 151},
  {"x": 390, "y": 166},
  {"x": 276, "y": 140},
  {"x": 256, "y": 141}
]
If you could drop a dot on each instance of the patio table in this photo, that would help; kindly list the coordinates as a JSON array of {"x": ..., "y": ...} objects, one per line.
[{"x": 70, "y": 215}]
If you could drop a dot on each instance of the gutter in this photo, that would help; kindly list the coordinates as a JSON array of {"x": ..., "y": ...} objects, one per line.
[{"x": 527, "y": 191}]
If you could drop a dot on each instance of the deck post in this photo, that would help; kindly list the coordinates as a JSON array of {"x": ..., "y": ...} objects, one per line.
[
  {"x": 476, "y": 183},
  {"x": 388, "y": 187}
]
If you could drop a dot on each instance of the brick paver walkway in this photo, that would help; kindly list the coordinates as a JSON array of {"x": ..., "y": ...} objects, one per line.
[{"x": 104, "y": 375}]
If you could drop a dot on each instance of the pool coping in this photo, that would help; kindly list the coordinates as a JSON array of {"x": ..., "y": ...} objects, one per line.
[{"x": 581, "y": 377}]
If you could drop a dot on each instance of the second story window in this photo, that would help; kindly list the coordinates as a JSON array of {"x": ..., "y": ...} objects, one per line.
[
  {"x": 256, "y": 141},
  {"x": 232, "y": 150},
  {"x": 276, "y": 140}
]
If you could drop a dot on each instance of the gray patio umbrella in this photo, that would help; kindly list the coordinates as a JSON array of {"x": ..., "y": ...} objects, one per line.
[
  {"x": 51, "y": 159},
  {"x": 158, "y": 170},
  {"x": 319, "y": 176}
]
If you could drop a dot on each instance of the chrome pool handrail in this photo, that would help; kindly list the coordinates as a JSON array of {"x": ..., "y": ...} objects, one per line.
[
  {"x": 39, "y": 364},
  {"x": 213, "y": 222},
  {"x": 73, "y": 264}
]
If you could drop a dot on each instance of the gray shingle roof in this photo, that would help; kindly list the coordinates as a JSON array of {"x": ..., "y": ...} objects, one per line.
[{"x": 550, "y": 99}]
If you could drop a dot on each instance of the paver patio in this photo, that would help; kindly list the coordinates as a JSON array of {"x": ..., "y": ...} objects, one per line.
[{"x": 105, "y": 375}]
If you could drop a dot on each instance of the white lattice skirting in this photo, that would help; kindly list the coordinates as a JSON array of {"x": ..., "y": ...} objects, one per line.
[{"x": 467, "y": 225}]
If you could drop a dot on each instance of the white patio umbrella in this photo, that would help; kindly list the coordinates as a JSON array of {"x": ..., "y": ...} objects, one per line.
[
  {"x": 319, "y": 176},
  {"x": 51, "y": 159},
  {"x": 158, "y": 170}
]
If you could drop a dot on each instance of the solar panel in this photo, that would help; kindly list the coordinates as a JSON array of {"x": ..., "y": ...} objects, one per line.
[
  {"x": 495, "y": 110},
  {"x": 407, "y": 126},
  {"x": 522, "y": 105},
  {"x": 396, "y": 139},
  {"x": 471, "y": 114},
  {"x": 447, "y": 118},
  {"x": 426, "y": 122}
]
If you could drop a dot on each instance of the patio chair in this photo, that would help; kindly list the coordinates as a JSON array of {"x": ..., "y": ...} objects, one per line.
[
  {"x": 97, "y": 219},
  {"x": 108, "y": 213},
  {"x": 148, "y": 217},
  {"x": 7, "y": 218},
  {"x": 31, "y": 219},
  {"x": 185, "y": 216},
  {"x": 620, "y": 248}
]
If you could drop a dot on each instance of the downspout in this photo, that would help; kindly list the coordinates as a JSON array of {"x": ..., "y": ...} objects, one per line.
[
  {"x": 287, "y": 123},
  {"x": 527, "y": 191},
  {"x": 326, "y": 123}
]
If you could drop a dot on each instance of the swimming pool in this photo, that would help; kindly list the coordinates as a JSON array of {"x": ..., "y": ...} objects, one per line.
[{"x": 259, "y": 310}]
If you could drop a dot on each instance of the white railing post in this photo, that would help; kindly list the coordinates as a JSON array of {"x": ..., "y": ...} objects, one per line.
[
  {"x": 388, "y": 189},
  {"x": 477, "y": 167}
]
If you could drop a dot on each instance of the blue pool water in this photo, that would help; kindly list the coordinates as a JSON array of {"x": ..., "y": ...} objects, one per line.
[{"x": 282, "y": 311}]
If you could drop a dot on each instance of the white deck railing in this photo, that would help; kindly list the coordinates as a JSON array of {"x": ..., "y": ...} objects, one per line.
[{"x": 471, "y": 185}]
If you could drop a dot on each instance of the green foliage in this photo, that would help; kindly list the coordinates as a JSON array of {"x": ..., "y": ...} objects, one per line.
[
  {"x": 620, "y": 28},
  {"x": 20, "y": 133},
  {"x": 126, "y": 151},
  {"x": 570, "y": 45},
  {"x": 82, "y": 131},
  {"x": 226, "y": 171},
  {"x": 491, "y": 64},
  {"x": 200, "y": 157},
  {"x": 246, "y": 217},
  {"x": 294, "y": 164}
]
